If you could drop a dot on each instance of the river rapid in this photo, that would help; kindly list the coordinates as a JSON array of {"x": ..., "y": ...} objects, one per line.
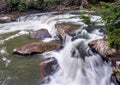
[{"x": 78, "y": 64}]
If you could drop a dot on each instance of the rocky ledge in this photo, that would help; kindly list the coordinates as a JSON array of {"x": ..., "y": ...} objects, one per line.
[{"x": 101, "y": 47}]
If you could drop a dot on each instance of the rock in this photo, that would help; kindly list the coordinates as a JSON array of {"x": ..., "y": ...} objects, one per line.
[
  {"x": 4, "y": 19},
  {"x": 48, "y": 67},
  {"x": 116, "y": 66},
  {"x": 115, "y": 57},
  {"x": 35, "y": 48},
  {"x": 40, "y": 34},
  {"x": 114, "y": 79},
  {"x": 67, "y": 28},
  {"x": 102, "y": 47}
]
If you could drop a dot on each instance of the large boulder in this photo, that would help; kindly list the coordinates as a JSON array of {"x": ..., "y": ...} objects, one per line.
[
  {"x": 40, "y": 34},
  {"x": 102, "y": 47},
  {"x": 35, "y": 48},
  {"x": 66, "y": 28},
  {"x": 48, "y": 66}
]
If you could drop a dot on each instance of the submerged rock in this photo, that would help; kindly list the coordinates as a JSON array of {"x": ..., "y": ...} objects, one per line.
[
  {"x": 40, "y": 34},
  {"x": 35, "y": 48},
  {"x": 102, "y": 47},
  {"x": 48, "y": 66},
  {"x": 67, "y": 28}
]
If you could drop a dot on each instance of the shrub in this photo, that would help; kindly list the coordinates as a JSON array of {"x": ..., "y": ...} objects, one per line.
[
  {"x": 22, "y": 6},
  {"x": 111, "y": 16}
]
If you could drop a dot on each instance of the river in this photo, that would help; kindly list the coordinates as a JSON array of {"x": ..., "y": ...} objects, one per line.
[{"x": 78, "y": 64}]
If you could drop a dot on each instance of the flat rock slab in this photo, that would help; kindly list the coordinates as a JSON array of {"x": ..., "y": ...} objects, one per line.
[
  {"x": 40, "y": 34},
  {"x": 35, "y": 48}
]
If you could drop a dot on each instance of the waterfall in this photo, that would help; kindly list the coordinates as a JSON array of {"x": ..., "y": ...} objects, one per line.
[{"x": 78, "y": 64}]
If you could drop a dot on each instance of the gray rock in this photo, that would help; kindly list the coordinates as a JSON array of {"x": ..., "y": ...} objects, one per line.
[{"x": 40, "y": 34}]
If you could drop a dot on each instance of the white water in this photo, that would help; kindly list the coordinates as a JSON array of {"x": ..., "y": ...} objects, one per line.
[{"x": 78, "y": 64}]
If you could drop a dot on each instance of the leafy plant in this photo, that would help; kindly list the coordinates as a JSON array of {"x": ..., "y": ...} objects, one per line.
[
  {"x": 111, "y": 16},
  {"x": 23, "y": 6}
]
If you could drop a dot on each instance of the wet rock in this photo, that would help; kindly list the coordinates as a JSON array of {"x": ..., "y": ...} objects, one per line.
[
  {"x": 66, "y": 28},
  {"x": 115, "y": 57},
  {"x": 116, "y": 66},
  {"x": 114, "y": 79},
  {"x": 48, "y": 67},
  {"x": 116, "y": 72},
  {"x": 102, "y": 47},
  {"x": 4, "y": 19},
  {"x": 40, "y": 34},
  {"x": 35, "y": 48}
]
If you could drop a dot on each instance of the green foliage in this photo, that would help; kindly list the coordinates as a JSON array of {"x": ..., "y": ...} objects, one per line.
[
  {"x": 93, "y": 1},
  {"x": 23, "y": 6},
  {"x": 111, "y": 16},
  {"x": 39, "y": 4},
  {"x": 12, "y": 3},
  {"x": 19, "y": 4},
  {"x": 86, "y": 17}
]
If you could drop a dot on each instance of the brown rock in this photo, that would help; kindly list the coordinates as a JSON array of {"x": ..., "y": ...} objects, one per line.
[
  {"x": 40, "y": 34},
  {"x": 67, "y": 28},
  {"x": 35, "y": 48},
  {"x": 102, "y": 47},
  {"x": 48, "y": 66},
  {"x": 115, "y": 57}
]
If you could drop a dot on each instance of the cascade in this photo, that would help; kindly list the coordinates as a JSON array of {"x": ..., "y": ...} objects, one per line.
[{"x": 78, "y": 64}]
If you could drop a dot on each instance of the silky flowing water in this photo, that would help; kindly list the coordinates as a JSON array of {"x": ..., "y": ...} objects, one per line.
[{"x": 78, "y": 64}]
